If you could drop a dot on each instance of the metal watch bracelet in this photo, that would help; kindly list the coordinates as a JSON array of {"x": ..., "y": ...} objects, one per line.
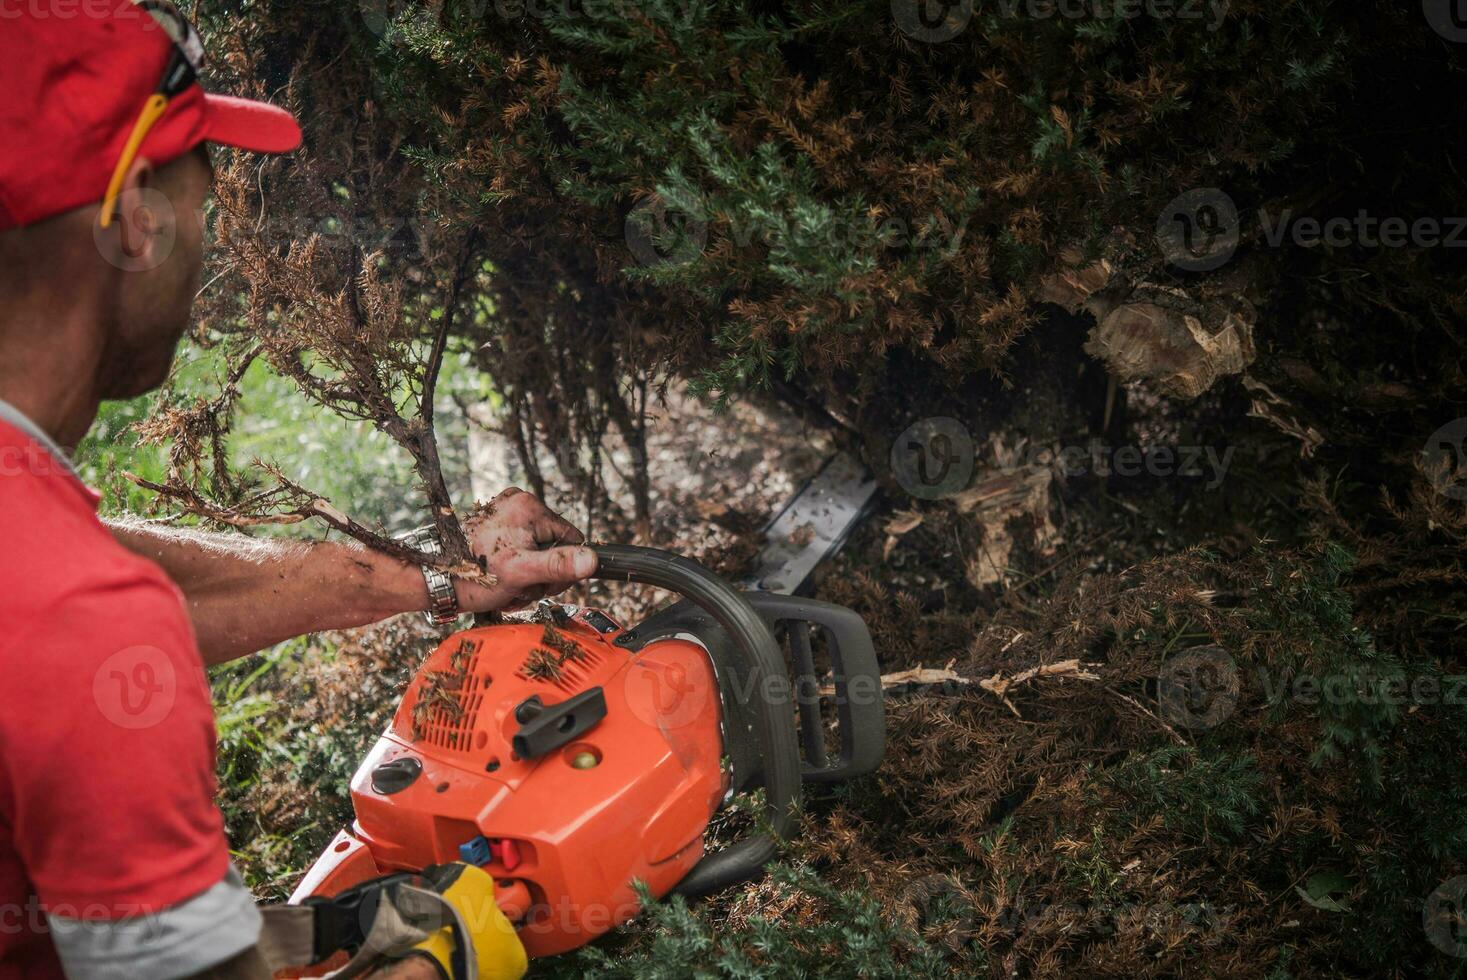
[{"x": 442, "y": 600}]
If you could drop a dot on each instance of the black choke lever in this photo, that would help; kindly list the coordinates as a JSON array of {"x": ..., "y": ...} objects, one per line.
[{"x": 553, "y": 725}]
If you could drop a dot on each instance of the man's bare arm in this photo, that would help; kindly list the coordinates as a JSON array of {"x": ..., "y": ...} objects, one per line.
[{"x": 245, "y": 593}]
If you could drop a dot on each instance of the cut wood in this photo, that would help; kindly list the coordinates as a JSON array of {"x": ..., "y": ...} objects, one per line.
[{"x": 998, "y": 684}]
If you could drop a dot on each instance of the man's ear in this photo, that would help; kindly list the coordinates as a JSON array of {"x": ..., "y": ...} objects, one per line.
[
  {"x": 136, "y": 214},
  {"x": 142, "y": 231}
]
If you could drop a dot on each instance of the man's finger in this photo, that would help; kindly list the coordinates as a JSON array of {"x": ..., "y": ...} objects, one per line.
[
  {"x": 564, "y": 564},
  {"x": 556, "y": 588},
  {"x": 522, "y": 599},
  {"x": 551, "y": 528}
]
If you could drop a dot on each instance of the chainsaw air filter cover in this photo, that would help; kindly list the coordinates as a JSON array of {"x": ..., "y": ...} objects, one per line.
[{"x": 570, "y": 758}]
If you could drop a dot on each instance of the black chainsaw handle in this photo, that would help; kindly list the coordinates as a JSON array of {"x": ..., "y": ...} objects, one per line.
[{"x": 772, "y": 705}]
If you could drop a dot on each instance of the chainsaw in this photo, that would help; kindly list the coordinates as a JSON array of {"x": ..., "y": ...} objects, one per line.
[{"x": 572, "y": 758}]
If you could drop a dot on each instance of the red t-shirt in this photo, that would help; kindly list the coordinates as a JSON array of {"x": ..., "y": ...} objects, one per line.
[{"x": 106, "y": 726}]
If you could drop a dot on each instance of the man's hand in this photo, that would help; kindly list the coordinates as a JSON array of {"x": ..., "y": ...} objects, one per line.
[
  {"x": 530, "y": 549},
  {"x": 246, "y": 593}
]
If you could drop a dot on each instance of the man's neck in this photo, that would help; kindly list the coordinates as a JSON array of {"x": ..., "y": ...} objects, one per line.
[{"x": 50, "y": 374}]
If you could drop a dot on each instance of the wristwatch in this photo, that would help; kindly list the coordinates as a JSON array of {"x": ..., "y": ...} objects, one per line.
[{"x": 442, "y": 600}]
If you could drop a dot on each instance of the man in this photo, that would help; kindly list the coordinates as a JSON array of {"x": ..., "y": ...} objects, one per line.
[{"x": 113, "y": 861}]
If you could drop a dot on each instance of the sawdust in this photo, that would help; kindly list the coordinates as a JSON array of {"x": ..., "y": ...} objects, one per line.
[
  {"x": 564, "y": 646},
  {"x": 542, "y": 665},
  {"x": 440, "y": 691},
  {"x": 547, "y": 661}
]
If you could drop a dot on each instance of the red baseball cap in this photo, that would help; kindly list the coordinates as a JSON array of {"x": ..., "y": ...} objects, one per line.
[{"x": 89, "y": 85}]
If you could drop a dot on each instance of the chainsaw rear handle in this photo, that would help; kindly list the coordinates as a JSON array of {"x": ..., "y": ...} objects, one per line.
[{"x": 764, "y": 662}]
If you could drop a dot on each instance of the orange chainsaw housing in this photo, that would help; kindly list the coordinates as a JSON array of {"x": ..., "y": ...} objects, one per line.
[{"x": 628, "y": 800}]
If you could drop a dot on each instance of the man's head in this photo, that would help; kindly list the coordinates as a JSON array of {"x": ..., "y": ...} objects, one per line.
[
  {"x": 137, "y": 278},
  {"x": 103, "y": 177}
]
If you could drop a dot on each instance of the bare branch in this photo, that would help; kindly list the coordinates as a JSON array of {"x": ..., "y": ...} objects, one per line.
[{"x": 289, "y": 503}]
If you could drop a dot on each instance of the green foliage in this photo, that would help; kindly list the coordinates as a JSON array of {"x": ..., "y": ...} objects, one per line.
[
  {"x": 837, "y": 187},
  {"x": 1355, "y": 689},
  {"x": 294, "y": 723},
  {"x": 1206, "y": 794},
  {"x": 851, "y": 937},
  {"x": 348, "y": 461},
  {"x": 111, "y": 449}
]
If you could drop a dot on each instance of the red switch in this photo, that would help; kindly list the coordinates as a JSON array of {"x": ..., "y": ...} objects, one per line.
[{"x": 509, "y": 854}]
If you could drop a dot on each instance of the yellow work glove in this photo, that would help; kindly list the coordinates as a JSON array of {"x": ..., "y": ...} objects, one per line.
[{"x": 497, "y": 950}]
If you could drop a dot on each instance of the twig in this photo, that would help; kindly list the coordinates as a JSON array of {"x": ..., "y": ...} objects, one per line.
[
  {"x": 997, "y": 685},
  {"x": 1147, "y": 711},
  {"x": 310, "y": 506},
  {"x": 445, "y": 327}
]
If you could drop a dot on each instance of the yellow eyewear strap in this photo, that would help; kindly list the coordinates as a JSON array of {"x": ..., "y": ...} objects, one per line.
[
  {"x": 153, "y": 110},
  {"x": 182, "y": 71}
]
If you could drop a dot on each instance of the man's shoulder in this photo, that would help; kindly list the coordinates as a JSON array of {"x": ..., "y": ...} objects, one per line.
[
  {"x": 77, "y": 643},
  {"x": 59, "y": 556}
]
